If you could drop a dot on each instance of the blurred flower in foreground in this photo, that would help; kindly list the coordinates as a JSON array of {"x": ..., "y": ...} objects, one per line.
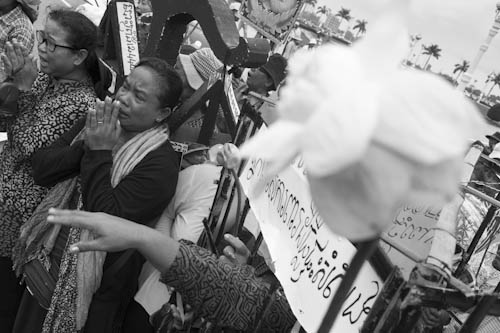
[{"x": 373, "y": 135}]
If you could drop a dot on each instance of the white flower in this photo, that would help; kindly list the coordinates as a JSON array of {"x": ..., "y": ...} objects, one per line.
[{"x": 372, "y": 134}]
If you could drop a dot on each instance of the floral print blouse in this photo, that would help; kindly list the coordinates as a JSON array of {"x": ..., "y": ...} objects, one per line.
[{"x": 48, "y": 110}]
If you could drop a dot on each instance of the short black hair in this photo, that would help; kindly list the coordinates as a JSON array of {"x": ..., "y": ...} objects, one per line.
[{"x": 170, "y": 82}]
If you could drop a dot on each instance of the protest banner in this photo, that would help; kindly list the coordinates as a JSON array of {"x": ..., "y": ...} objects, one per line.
[
  {"x": 128, "y": 35},
  {"x": 412, "y": 231},
  {"x": 231, "y": 98},
  {"x": 272, "y": 18},
  {"x": 310, "y": 260}
]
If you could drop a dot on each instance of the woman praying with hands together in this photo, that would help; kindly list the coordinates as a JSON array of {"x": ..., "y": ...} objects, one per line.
[{"x": 118, "y": 160}]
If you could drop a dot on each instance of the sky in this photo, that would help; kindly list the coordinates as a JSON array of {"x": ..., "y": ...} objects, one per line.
[{"x": 459, "y": 27}]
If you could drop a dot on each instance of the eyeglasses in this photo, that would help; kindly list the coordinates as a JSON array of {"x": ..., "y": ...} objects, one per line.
[{"x": 51, "y": 46}]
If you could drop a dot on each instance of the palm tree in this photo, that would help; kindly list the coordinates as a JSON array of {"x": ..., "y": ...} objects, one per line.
[
  {"x": 461, "y": 68},
  {"x": 496, "y": 82},
  {"x": 360, "y": 26},
  {"x": 323, "y": 10},
  {"x": 432, "y": 50},
  {"x": 311, "y": 3},
  {"x": 344, "y": 14}
]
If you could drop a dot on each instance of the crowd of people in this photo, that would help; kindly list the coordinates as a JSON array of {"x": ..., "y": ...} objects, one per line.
[
  {"x": 110, "y": 160},
  {"x": 100, "y": 214}
]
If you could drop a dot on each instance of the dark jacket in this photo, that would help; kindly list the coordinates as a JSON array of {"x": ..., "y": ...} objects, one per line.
[{"x": 141, "y": 197}]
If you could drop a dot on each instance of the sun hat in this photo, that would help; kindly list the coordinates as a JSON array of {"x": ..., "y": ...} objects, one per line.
[
  {"x": 495, "y": 136},
  {"x": 199, "y": 66},
  {"x": 275, "y": 67}
]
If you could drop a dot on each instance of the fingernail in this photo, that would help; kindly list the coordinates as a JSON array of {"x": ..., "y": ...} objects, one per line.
[
  {"x": 74, "y": 249},
  {"x": 228, "y": 236},
  {"x": 52, "y": 210},
  {"x": 50, "y": 218}
]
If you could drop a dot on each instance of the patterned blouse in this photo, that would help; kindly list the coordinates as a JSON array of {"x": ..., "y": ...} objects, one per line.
[
  {"x": 45, "y": 113},
  {"x": 231, "y": 296}
]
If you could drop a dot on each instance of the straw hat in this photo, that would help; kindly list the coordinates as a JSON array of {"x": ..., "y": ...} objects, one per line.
[{"x": 199, "y": 66}]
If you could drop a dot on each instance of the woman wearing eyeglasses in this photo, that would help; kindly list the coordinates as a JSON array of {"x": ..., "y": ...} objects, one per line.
[{"x": 49, "y": 104}]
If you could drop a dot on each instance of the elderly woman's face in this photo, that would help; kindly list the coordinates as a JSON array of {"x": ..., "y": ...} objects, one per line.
[
  {"x": 61, "y": 60},
  {"x": 140, "y": 106}
]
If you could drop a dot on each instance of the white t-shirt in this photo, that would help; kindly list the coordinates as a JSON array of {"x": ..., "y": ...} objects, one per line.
[{"x": 182, "y": 219}]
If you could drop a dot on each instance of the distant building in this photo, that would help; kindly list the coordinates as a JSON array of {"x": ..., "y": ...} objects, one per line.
[
  {"x": 309, "y": 18},
  {"x": 332, "y": 23}
]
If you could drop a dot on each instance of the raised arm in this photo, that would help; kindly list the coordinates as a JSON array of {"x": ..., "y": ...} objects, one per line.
[{"x": 217, "y": 289}]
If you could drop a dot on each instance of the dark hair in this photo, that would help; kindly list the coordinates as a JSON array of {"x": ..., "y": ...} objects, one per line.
[
  {"x": 82, "y": 34},
  {"x": 170, "y": 82}
]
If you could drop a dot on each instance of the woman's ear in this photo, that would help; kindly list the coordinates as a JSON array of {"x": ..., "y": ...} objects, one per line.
[
  {"x": 164, "y": 114},
  {"x": 80, "y": 57}
]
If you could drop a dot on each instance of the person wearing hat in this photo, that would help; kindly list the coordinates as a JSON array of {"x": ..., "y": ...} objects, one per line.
[
  {"x": 262, "y": 81},
  {"x": 195, "y": 69},
  {"x": 493, "y": 139},
  {"x": 235, "y": 8},
  {"x": 269, "y": 76},
  {"x": 493, "y": 113},
  {"x": 16, "y": 19}
]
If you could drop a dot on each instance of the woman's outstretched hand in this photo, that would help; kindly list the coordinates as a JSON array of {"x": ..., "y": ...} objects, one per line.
[
  {"x": 113, "y": 233},
  {"x": 116, "y": 234},
  {"x": 102, "y": 127}
]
